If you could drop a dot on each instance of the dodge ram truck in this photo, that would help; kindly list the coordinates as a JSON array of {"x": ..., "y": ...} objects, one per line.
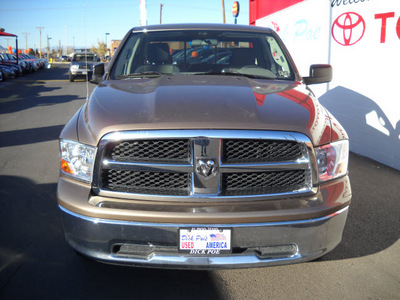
[{"x": 202, "y": 147}]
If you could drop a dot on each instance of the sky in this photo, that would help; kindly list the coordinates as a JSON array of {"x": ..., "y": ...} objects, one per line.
[{"x": 84, "y": 23}]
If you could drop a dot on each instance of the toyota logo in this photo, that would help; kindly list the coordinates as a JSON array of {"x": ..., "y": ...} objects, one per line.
[{"x": 348, "y": 28}]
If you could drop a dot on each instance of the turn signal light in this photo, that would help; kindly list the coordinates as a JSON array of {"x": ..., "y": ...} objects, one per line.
[{"x": 77, "y": 160}]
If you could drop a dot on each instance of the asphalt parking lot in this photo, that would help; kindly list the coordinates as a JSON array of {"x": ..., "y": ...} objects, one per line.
[{"x": 36, "y": 262}]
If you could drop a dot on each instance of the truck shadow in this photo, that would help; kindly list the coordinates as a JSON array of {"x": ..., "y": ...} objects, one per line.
[
  {"x": 30, "y": 90},
  {"x": 29, "y": 136},
  {"x": 370, "y": 131}
]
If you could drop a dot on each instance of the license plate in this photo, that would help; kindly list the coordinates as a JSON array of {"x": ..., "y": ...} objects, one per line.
[{"x": 205, "y": 241}]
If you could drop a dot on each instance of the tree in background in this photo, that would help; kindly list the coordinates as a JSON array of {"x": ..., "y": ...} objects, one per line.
[{"x": 100, "y": 50}]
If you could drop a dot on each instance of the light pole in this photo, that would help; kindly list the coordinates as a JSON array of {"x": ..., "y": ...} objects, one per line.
[
  {"x": 143, "y": 13},
  {"x": 223, "y": 11},
  {"x": 26, "y": 41},
  {"x": 105, "y": 54},
  {"x": 161, "y": 6},
  {"x": 48, "y": 46},
  {"x": 40, "y": 41}
]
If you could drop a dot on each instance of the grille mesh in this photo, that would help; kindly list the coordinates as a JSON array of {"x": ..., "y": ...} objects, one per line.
[
  {"x": 150, "y": 182},
  {"x": 242, "y": 151},
  {"x": 153, "y": 150},
  {"x": 263, "y": 183}
]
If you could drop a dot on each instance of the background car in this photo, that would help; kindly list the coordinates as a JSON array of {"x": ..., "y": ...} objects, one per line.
[{"x": 81, "y": 65}]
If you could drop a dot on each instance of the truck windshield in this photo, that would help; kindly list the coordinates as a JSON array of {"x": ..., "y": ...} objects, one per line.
[
  {"x": 83, "y": 57},
  {"x": 190, "y": 52}
]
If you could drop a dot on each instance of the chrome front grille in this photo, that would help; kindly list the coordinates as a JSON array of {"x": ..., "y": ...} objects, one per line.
[
  {"x": 84, "y": 66},
  {"x": 194, "y": 164}
]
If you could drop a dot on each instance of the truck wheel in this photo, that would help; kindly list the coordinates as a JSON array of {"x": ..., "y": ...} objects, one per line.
[{"x": 71, "y": 78}]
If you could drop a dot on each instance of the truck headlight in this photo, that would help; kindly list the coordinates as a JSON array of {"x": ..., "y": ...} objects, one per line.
[
  {"x": 332, "y": 160},
  {"x": 77, "y": 160},
  {"x": 74, "y": 67}
]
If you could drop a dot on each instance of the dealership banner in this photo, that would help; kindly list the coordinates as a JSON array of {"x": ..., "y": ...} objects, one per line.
[{"x": 361, "y": 40}]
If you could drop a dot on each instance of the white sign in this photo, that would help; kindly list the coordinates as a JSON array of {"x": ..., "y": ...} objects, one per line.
[{"x": 361, "y": 40}]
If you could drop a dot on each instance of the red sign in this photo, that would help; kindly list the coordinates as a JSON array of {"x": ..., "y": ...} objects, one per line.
[
  {"x": 349, "y": 28},
  {"x": 235, "y": 9}
]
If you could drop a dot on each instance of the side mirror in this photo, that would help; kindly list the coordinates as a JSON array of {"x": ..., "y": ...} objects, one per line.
[
  {"x": 319, "y": 74},
  {"x": 98, "y": 72}
]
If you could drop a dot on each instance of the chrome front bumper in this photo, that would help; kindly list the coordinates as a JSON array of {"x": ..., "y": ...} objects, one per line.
[{"x": 155, "y": 244}]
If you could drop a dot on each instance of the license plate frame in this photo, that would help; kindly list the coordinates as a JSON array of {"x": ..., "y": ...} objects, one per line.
[{"x": 205, "y": 240}]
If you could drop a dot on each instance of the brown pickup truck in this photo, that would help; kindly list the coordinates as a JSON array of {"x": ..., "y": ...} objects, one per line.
[{"x": 202, "y": 147}]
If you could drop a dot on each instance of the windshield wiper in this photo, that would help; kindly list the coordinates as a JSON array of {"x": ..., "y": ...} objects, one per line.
[
  {"x": 236, "y": 74},
  {"x": 147, "y": 74}
]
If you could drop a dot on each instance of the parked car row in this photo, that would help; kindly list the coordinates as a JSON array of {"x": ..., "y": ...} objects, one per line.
[{"x": 10, "y": 67}]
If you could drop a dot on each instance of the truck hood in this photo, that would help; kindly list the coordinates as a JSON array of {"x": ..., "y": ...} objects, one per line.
[{"x": 202, "y": 102}]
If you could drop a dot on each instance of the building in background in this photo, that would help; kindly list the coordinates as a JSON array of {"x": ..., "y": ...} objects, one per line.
[
  {"x": 361, "y": 40},
  {"x": 113, "y": 46}
]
